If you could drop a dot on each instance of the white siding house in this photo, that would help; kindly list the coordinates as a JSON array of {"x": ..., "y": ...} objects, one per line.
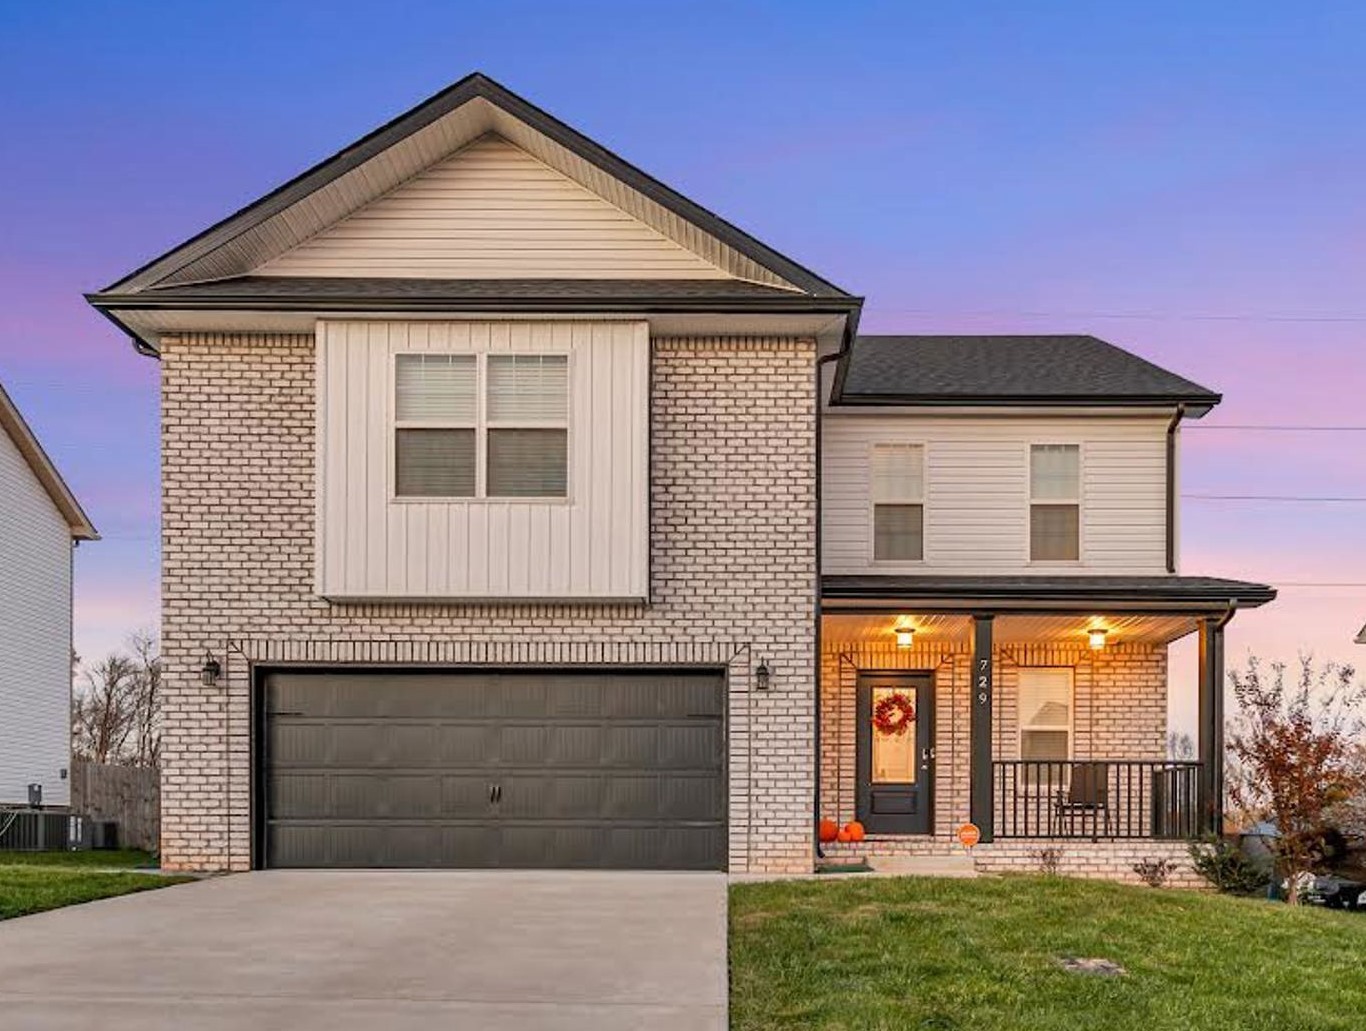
[{"x": 39, "y": 520}]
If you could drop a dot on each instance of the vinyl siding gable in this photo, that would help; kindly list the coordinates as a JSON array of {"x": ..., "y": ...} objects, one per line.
[
  {"x": 492, "y": 211},
  {"x": 35, "y": 635}
]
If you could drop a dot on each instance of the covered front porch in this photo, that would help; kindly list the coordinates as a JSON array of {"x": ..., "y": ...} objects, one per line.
[{"x": 1033, "y": 708}]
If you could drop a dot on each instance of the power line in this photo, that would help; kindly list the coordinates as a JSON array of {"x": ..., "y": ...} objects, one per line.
[
  {"x": 1135, "y": 315},
  {"x": 1278, "y": 429},
  {"x": 1274, "y": 497}
]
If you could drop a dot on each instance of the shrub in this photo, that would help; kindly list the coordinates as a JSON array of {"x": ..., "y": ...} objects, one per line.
[
  {"x": 1154, "y": 872},
  {"x": 1226, "y": 867}
]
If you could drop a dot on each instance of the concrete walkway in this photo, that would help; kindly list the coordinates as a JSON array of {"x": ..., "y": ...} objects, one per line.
[{"x": 394, "y": 950}]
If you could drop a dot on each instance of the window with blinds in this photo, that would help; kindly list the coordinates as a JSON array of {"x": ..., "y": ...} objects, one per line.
[
  {"x": 436, "y": 408},
  {"x": 448, "y": 445},
  {"x": 1045, "y": 714},
  {"x": 528, "y": 432},
  {"x": 897, "y": 488},
  {"x": 1054, "y": 503}
]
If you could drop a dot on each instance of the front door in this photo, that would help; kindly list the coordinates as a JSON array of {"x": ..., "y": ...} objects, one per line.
[{"x": 895, "y": 753}]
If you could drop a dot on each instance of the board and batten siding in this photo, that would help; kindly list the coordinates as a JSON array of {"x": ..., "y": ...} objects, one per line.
[
  {"x": 492, "y": 211},
  {"x": 591, "y": 545},
  {"x": 977, "y": 491},
  {"x": 35, "y": 635}
]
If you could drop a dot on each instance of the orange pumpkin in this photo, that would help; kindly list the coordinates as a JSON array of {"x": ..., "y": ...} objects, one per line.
[
  {"x": 829, "y": 831},
  {"x": 855, "y": 830},
  {"x": 843, "y": 836}
]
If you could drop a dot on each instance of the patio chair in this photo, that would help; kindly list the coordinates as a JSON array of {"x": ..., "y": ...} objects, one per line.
[{"x": 1086, "y": 797}]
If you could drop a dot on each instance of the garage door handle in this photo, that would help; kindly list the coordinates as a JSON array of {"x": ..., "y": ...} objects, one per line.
[{"x": 495, "y": 792}]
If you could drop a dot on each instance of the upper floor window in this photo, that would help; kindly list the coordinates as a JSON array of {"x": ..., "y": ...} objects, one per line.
[
  {"x": 481, "y": 426},
  {"x": 1054, "y": 503},
  {"x": 897, "y": 474}
]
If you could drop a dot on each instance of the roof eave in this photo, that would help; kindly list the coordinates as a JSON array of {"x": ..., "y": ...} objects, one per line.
[
  {"x": 1196, "y": 405},
  {"x": 1174, "y": 596},
  {"x": 110, "y": 305},
  {"x": 43, "y": 468}
]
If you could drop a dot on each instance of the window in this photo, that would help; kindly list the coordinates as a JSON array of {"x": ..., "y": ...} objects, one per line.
[
  {"x": 897, "y": 474},
  {"x": 1054, "y": 503},
  {"x": 516, "y": 445},
  {"x": 1045, "y": 697}
]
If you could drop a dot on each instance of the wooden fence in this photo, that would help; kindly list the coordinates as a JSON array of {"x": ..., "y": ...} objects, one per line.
[{"x": 128, "y": 795}]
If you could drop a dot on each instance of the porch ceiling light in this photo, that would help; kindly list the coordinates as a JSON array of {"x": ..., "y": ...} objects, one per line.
[
  {"x": 905, "y": 636},
  {"x": 1097, "y": 637}
]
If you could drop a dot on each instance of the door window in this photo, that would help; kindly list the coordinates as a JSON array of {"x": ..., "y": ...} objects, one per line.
[{"x": 894, "y": 750}]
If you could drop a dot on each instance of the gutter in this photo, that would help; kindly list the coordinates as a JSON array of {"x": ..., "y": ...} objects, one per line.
[
  {"x": 846, "y": 343},
  {"x": 1171, "y": 485}
]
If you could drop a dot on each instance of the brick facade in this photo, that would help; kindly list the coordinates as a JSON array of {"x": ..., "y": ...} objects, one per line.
[
  {"x": 1120, "y": 701},
  {"x": 732, "y": 576}
]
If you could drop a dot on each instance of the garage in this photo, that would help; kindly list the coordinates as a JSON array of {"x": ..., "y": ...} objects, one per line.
[{"x": 534, "y": 770}]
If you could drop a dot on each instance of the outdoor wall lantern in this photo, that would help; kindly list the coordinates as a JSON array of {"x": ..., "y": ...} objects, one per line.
[
  {"x": 208, "y": 673},
  {"x": 763, "y": 676},
  {"x": 905, "y": 636},
  {"x": 1097, "y": 638}
]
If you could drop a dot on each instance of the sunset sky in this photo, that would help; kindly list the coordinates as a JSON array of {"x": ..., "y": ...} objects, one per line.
[{"x": 1188, "y": 185}]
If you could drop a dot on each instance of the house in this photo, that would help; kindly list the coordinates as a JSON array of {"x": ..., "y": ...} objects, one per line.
[
  {"x": 40, "y": 524},
  {"x": 518, "y": 511}
]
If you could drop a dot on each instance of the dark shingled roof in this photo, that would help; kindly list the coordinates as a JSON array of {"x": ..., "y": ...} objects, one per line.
[
  {"x": 391, "y": 288},
  {"x": 1168, "y": 591},
  {"x": 1039, "y": 370}
]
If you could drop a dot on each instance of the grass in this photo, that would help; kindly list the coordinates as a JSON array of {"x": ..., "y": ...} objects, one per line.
[
  {"x": 122, "y": 858},
  {"x": 984, "y": 954},
  {"x": 31, "y": 882}
]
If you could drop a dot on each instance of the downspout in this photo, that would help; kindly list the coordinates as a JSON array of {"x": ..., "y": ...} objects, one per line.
[
  {"x": 846, "y": 343},
  {"x": 1171, "y": 486}
]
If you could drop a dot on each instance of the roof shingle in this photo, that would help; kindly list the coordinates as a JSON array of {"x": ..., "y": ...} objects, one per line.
[{"x": 1070, "y": 369}]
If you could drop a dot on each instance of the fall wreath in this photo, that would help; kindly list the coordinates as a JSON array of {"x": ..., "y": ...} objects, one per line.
[{"x": 893, "y": 715}]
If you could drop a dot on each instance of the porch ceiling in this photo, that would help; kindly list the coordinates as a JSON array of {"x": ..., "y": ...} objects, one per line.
[{"x": 1068, "y": 628}]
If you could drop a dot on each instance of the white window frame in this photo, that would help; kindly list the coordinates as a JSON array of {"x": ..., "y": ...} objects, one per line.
[
  {"x": 1030, "y": 502},
  {"x": 1022, "y": 728},
  {"x": 481, "y": 425},
  {"x": 874, "y": 501}
]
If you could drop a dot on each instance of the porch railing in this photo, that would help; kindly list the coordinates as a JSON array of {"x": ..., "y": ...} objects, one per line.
[{"x": 1097, "y": 799}]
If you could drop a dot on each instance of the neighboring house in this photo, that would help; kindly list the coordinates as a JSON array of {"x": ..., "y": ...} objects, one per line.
[
  {"x": 40, "y": 523},
  {"x": 1361, "y": 637},
  {"x": 493, "y": 470}
]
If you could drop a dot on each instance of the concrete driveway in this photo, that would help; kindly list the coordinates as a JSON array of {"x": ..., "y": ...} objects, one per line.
[{"x": 365, "y": 950}]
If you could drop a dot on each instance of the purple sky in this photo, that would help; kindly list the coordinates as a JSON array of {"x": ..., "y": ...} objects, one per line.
[{"x": 1185, "y": 184}]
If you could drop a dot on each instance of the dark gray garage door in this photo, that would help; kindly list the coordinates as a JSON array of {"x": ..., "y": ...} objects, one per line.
[{"x": 612, "y": 770}]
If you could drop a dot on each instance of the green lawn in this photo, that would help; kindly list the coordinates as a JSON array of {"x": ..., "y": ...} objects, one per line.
[
  {"x": 31, "y": 882},
  {"x": 121, "y": 859},
  {"x": 984, "y": 955}
]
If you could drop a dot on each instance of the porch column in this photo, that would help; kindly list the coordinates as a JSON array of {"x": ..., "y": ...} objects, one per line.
[
  {"x": 982, "y": 806},
  {"x": 1211, "y": 729}
]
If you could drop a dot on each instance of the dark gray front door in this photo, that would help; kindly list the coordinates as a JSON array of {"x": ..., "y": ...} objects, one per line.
[
  {"x": 896, "y": 770},
  {"x": 621, "y": 770}
]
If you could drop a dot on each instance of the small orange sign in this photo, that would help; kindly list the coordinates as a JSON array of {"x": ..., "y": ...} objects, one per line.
[{"x": 969, "y": 834}]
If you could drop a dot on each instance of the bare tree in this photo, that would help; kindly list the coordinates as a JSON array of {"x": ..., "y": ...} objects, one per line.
[
  {"x": 102, "y": 710},
  {"x": 1296, "y": 754},
  {"x": 116, "y": 706},
  {"x": 146, "y": 651}
]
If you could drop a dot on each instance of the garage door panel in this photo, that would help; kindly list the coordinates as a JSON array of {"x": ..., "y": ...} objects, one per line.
[{"x": 613, "y": 770}]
